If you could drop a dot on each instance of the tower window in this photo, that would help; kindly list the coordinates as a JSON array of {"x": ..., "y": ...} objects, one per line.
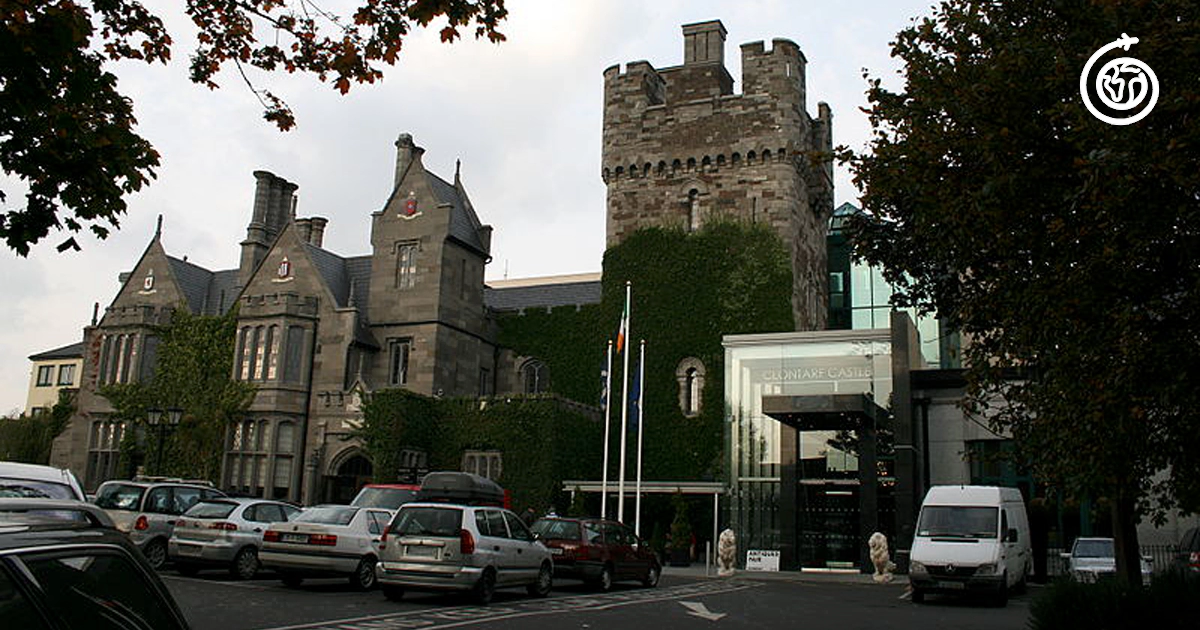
[
  {"x": 406, "y": 265},
  {"x": 535, "y": 377},
  {"x": 690, "y": 375},
  {"x": 693, "y": 204},
  {"x": 398, "y": 351}
]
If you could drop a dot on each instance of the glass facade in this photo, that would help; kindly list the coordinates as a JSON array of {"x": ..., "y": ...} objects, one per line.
[{"x": 794, "y": 364}]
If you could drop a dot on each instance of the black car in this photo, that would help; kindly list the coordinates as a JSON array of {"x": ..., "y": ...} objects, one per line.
[{"x": 64, "y": 566}]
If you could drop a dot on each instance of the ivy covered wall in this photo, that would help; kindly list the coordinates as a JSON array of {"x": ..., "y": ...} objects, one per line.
[{"x": 688, "y": 291}]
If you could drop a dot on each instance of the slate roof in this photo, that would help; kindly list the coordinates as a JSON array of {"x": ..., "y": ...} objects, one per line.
[
  {"x": 542, "y": 295},
  {"x": 73, "y": 351},
  {"x": 340, "y": 274},
  {"x": 207, "y": 292},
  {"x": 222, "y": 291},
  {"x": 464, "y": 223},
  {"x": 333, "y": 269}
]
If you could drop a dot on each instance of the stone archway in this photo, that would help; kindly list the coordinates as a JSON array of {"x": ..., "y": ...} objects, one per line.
[{"x": 348, "y": 473}]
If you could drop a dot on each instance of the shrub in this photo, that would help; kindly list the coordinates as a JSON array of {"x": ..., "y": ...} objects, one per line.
[{"x": 1168, "y": 602}]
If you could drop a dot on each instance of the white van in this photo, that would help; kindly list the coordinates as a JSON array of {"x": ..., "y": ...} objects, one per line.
[{"x": 970, "y": 539}]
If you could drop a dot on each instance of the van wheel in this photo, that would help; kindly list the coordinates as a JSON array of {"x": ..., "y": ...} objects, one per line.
[
  {"x": 485, "y": 588},
  {"x": 918, "y": 596},
  {"x": 1000, "y": 599},
  {"x": 545, "y": 580}
]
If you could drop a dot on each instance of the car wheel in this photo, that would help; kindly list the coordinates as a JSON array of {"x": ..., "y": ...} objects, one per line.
[
  {"x": 392, "y": 592},
  {"x": 485, "y": 588},
  {"x": 918, "y": 596},
  {"x": 652, "y": 574},
  {"x": 291, "y": 580},
  {"x": 187, "y": 570},
  {"x": 605, "y": 581},
  {"x": 156, "y": 553},
  {"x": 245, "y": 564},
  {"x": 545, "y": 580},
  {"x": 364, "y": 575}
]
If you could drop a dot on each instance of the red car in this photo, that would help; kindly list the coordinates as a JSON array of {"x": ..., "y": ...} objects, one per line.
[{"x": 597, "y": 551}]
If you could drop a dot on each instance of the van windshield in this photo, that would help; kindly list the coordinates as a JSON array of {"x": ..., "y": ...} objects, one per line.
[{"x": 956, "y": 521}]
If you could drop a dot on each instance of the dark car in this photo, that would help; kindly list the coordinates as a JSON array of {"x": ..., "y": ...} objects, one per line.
[
  {"x": 597, "y": 551},
  {"x": 389, "y": 496},
  {"x": 1187, "y": 557},
  {"x": 76, "y": 572}
]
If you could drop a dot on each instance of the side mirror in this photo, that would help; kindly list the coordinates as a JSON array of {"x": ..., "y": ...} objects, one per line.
[{"x": 1012, "y": 535}]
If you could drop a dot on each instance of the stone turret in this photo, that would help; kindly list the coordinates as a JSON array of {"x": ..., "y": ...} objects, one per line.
[{"x": 681, "y": 148}]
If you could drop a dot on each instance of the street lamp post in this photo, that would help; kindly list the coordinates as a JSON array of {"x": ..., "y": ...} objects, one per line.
[{"x": 154, "y": 417}]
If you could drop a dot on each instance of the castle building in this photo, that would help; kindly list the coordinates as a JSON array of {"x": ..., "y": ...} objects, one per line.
[
  {"x": 681, "y": 148},
  {"x": 316, "y": 331}
]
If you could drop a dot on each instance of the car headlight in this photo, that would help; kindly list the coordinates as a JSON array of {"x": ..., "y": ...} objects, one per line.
[
  {"x": 986, "y": 569},
  {"x": 915, "y": 567}
]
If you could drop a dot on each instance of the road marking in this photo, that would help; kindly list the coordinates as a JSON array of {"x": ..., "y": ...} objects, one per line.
[
  {"x": 458, "y": 616},
  {"x": 698, "y": 609}
]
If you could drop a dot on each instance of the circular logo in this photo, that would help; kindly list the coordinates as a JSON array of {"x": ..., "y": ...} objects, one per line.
[{"x": 1126, "y": 88}]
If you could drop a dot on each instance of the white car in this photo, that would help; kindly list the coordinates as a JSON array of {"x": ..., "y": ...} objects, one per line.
[
  {"x": 326, "y": 541},
  {"x": 225, "y": 533},
  {"x": 1093, "y": 558},
  {"x": 34, "y": 481}
]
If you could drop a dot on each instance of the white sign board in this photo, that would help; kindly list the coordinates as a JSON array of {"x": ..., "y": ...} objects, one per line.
[{"x": 762, "y": 560}]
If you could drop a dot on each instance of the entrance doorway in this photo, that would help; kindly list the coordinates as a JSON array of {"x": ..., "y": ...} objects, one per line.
[
  {"x": 353, "y": 473},
  {"x": 829, "y": 524}
]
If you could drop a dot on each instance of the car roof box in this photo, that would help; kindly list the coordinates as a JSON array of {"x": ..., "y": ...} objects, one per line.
[{"x": 460, "y": 487}]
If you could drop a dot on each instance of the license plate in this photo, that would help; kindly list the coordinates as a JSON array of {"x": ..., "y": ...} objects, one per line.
[
  {"x": 294, "y": 538},
  {"x": 556, "y": 551},
  {"x": 952, "y": 586},
  {"x": 421, "y": 551}
]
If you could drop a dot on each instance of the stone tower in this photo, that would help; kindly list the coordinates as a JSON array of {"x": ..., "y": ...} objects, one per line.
[{"x": 681, "y": 148}]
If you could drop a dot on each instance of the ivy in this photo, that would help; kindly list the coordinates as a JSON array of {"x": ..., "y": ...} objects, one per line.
[
  {"x": 191, "y": 373},
  {"x": 688, "y": 289},
  {"x": 28, "y": 439}
]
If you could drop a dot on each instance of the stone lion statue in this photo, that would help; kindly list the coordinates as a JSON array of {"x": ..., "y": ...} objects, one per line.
[
  {"x": 726, "y": 552},
  {"x": 878, "y": 544}
]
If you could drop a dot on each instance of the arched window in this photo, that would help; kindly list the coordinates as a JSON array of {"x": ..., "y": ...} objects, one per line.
[
  {"x": 690, "y": 375},
  {"x": 535, "y": 377}
]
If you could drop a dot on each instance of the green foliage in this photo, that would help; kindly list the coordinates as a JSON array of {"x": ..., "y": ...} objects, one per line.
[
  {"x": 681, "y": 525},
  {"x": 542, "y": 441},
  {"x": 67, "y": 132},
  {"x": 688, "y": 291},
  {"x": 29, "y": 439},
  {"x": 1167, "y": 602},
  {"x": 192, "y": 373},
  {"x": 1059, "y": 244}
]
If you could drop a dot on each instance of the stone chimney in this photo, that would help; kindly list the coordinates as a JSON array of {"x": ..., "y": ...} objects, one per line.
[
  {"x": 406, "y": 153},
  {"x": 304, "y": 229},
  {"x": 317, "y": 234},
  {"x": 704, "y": 42}
]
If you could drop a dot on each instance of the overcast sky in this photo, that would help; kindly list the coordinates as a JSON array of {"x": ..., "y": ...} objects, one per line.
[{"x": 524, "y": 117}]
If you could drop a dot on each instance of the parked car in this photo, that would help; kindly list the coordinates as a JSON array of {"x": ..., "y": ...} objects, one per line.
[
  {"x": 1187, "y": 557},
  {"x": 35, "y": 481},
  {"x": 1092, "y": 559},
  {"x": 326, "y": 541},
  {"x": 597, "y": 551},
  {"x": 386, "y": 495},
  {"x": 970, "y": 539},
  {"x": 76, "y": 573},
  {"x": 148, "y": 510},
  {"x": 225, "y": 533},
  {"x": 460, "y": 539}
]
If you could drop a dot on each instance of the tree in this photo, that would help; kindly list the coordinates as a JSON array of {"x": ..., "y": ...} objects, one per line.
[
  {"x": 192, "y": 372},
  {"x": 67, "y": 132},
  {"x": 1066, "y": 249},
  {"x": 29, "y": 438}
]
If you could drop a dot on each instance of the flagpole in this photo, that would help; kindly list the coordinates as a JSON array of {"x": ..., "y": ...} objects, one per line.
[
  {"x": 607, "y": 408},
  {"x": 624, "y": 406},
  {"x": 637, "y": 527}
]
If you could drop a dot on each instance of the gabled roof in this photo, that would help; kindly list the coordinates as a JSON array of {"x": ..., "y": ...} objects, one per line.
[
  {"x": 333, "y": 270},
  {"x": 207, "y": 292},
  {"x": 464, "y": 223},
  {"x": 73, "y": 351},
  {"x": 342, "y": 275}
]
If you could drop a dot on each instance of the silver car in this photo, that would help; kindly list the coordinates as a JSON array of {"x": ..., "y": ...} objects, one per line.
[
  {"x": 148, "y": 510},
  {"x": 325, "y": 541},
  {"x": 226, "y": 533},
  {"x": 34, "y": 481},
  {"x": 441, "y": 546},
  {"x": 1093, "y": 559}
]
